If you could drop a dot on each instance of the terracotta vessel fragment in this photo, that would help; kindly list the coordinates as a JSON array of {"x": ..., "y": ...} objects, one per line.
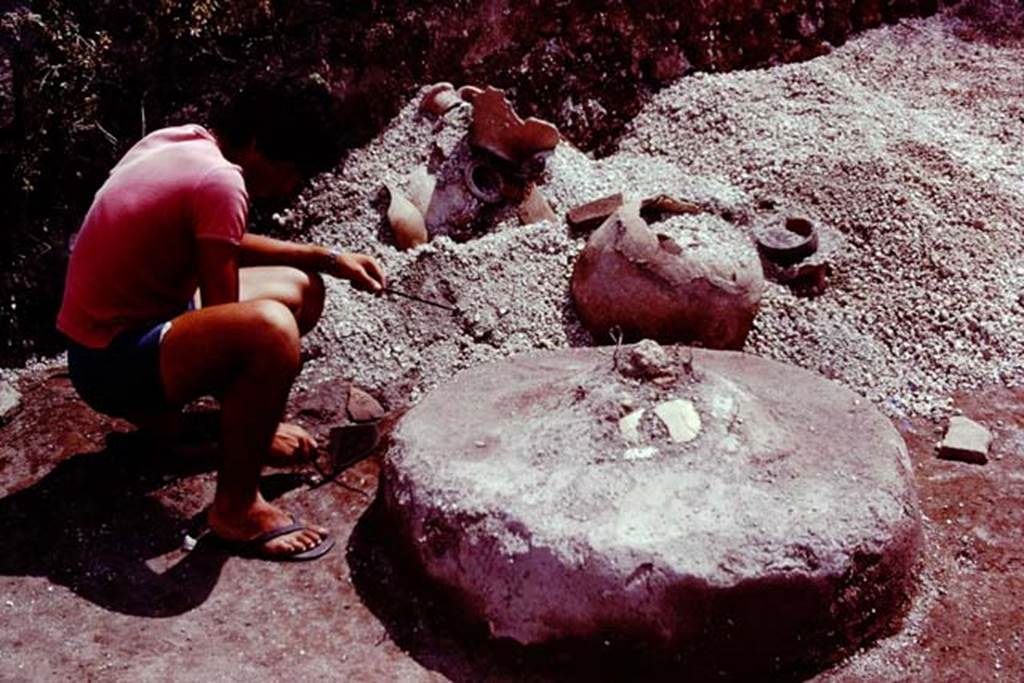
[
  {"x": 497, "y": 129},
  {"x": 647, "y": 286},
  {"x": 440, "y": 98},
  {"x": 406, "y": 221}
]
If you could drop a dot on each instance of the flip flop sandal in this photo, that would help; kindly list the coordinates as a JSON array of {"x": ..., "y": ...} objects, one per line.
[{"x": 253, "y": 548}]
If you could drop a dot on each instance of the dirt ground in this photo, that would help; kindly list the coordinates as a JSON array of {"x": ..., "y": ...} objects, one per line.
[{"x": 95, "y": 584}]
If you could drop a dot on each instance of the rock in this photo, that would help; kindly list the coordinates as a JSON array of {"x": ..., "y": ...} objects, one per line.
[
  {"x": 629, "y": 425},
  {"x": 774, "y": 523},
  {"x": 680, "y": 418},
  {"x": 589, "y": 216},
  {"x": 647, "y": 360},
  {"x": 497, "y": 129},
  {"x": 649, "y": 286},
  {"x": 535, "y": 208},
  {"x": 407, "y": 224},
  {"x": 10, "y": 399},
  {"x": 965, "y": 440},
  {"x": 362, "y": 407}
]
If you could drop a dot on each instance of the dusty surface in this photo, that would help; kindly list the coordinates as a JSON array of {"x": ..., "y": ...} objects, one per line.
[
  {"x": 775, "y": 492},
  {"x": 92, "y": 584}
]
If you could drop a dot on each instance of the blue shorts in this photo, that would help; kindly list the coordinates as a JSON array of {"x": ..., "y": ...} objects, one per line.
[{"x": 122, "y": 379}]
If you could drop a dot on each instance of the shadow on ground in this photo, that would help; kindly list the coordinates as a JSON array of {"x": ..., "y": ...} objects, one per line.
[
  {"x": 94, "y": 524},
  {"x": 426, "y": 622}
]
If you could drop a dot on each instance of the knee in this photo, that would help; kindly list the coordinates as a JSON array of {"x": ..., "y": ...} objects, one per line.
[
  {"x": 313, "y": 294},
  {"x": 272, "y": 334}
]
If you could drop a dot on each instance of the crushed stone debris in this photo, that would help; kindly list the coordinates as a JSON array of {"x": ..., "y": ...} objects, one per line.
[{"x": 905, "y": 141}]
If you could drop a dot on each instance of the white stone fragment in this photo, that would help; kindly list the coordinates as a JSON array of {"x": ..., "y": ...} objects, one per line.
[
  {"x": 965, "y": 440},
  {"x": 10, "y": 398},
  {"x": 680, "y": 418},
  {"x": 645, "y": 453},
  {"x": 629, "y": 426}
]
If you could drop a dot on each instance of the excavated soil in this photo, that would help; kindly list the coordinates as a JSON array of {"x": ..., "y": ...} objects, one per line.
[{"x": 906, "y": 141}]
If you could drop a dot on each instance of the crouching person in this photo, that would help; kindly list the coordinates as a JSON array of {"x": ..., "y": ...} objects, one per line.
[{"x": 171, "y": 219}]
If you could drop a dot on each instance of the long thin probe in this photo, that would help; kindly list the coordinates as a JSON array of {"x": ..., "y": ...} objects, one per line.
[{"x": 389, "y": 290}]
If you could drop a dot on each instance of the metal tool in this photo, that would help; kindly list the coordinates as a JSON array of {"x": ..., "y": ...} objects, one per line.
[{"x": 389, "y": 290}]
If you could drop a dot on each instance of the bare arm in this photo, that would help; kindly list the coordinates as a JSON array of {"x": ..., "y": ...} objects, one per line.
[
  {"x": 258, "y": 250},
  {"x": 218, "y": 272},
  {"x": 361, "y": 270}
]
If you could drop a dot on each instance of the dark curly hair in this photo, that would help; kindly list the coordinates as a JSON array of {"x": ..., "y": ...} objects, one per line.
[{"x": 293, "y": 120}]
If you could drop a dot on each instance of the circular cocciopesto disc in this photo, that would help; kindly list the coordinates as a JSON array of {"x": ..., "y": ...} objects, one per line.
[{"x": 714, "y": 503}]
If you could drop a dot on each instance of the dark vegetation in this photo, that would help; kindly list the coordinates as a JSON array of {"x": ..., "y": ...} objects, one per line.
[{"x": 80, "y": 82}]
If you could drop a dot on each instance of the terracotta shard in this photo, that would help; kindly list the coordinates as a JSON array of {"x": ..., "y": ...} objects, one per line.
[
  {"x": 589, "y": 216},
  {"x": 440, "y": 98},
  {"x": 788, "y": 241},
  {"x": 661, "y": 205},
  {"x": 469, "y": 92},
  {"x": 796, "y": 252},
  {"x": 421, "y": 188},
  {"x": 535, "y": 208},
  {"x": 484, "y": 181},
  {"x": 406, "y": 221},
  {"x": 362, "y": 407},
  {"x": 497, "y": 129},
  {"x": 647, "y": 361}
]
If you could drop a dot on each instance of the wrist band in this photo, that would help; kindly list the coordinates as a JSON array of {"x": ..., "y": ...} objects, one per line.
[{"x": 332, "y": 259}]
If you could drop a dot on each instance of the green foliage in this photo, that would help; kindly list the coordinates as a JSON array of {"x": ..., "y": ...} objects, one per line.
[{"x": 87, "y": 80}]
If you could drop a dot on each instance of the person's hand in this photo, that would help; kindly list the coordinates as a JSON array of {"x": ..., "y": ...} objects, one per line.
[{"x": 359, "y": 269}]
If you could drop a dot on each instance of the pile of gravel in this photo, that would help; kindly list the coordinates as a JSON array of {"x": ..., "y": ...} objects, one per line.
[{"x": 907, "y": 141}]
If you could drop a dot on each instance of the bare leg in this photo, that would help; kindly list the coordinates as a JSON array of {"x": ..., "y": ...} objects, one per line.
[
  {"x": 302, "y": 293},
  {"x": 248, "y": 353}
]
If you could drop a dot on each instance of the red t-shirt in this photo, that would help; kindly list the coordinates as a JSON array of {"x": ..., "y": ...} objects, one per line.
[{"x": 135, "y": 260}]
